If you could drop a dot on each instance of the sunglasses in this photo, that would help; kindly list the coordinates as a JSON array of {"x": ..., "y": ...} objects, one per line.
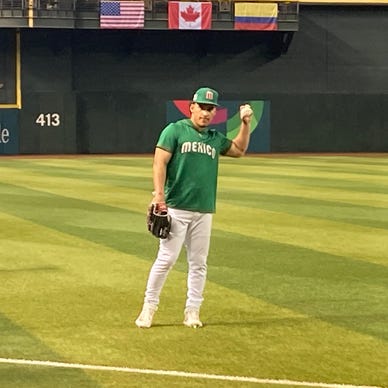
[{"x": 206, "y": 107}]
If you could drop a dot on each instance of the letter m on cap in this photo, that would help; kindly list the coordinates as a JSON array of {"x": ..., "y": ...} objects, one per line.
[{"x": 209, "y": 95}]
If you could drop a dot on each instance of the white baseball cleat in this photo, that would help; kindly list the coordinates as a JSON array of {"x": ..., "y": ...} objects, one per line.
[
  {"x": 192, "y": 318},
  {"x": 144, "y": 320}
]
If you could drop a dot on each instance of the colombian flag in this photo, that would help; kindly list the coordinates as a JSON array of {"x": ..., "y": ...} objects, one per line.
[{"x": 255, "y": 16}]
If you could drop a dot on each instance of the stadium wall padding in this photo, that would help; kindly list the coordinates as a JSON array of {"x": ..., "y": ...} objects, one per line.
[
  {"x": 7, "y": 66},
  {"x": 328, "y": 89}
]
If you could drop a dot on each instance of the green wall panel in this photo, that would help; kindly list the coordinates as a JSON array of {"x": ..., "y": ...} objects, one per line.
[{"x": 327, "y": 90}]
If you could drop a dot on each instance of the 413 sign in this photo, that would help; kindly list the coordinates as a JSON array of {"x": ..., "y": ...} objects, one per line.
[{"x": 48, "y": 119}]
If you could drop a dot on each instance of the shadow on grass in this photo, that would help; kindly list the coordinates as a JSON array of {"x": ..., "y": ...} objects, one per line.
[{"x": 18, "y": 343}]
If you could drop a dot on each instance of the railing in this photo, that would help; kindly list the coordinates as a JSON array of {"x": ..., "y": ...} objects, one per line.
[
  {"x": 155, "y": 11},
  {"x": 11, "y": 4}
]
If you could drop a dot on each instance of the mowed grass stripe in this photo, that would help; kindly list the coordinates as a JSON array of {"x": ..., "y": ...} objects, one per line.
[
  {"x": 50, "y": 286},
  {"x": 181, "y": 374},
  {"x": 350, "y": 172},
  {"x": 80, "y": 169},
  {"x": 293, "y": 226},
  {"x": 376, "y": 217},
  {"x": 343, "y": 292},
  {"x": 120, "y": 192},
  {"x": 64, "y": 172},
  {"x": 88, "y": 167},
  {"x": 84, "y": 307},
  {"x": 258, "y": 176},
  {"x": 358, "y": 195},
  {"x": 340, "y": 239},
  {"x": 111, "y": 226},
  {"x": 123, "y": 198},
  {"x": 268, "y": 186},
  {"x": 330, "y": 161},
  {"x": 310, "y": 172},
  {"x": 118, "y": 229},
  {"x": 242, "y": 318}
]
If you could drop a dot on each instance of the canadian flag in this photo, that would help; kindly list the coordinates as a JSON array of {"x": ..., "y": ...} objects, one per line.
[{"x": 187, "y": 15}]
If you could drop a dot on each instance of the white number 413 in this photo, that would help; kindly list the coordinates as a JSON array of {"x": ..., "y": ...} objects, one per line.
[{"x": 48, "y": 119}]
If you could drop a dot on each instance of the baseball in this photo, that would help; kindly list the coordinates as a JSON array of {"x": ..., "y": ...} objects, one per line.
[{"x": 245, "y": 110}]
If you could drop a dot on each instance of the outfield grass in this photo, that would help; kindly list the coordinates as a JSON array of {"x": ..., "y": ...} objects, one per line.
[{"x": 298, "y": 274}]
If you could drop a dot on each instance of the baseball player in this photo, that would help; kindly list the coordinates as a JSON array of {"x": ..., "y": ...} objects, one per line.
[{"x": 185, "y": 170}]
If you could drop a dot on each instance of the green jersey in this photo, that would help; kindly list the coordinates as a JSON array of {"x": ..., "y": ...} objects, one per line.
[{"x": 191, "y": 181}]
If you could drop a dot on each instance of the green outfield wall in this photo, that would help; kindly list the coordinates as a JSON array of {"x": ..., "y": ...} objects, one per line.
[{"x": 99, "y": 91}]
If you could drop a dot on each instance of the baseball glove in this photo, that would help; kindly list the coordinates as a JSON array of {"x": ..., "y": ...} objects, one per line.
[{"x": 158, "y": 221}]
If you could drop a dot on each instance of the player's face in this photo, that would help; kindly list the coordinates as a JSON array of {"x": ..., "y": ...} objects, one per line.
[{"x": 202, "y": 114}]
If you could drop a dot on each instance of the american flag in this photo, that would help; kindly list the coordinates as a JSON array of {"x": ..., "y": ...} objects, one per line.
[{"x": 122, "y": 14}]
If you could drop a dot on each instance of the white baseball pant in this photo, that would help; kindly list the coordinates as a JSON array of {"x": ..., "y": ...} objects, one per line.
[{"x": 192, "y": 229}]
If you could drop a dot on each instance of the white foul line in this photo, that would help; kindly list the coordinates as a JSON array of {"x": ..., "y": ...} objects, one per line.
[{"x": 177, "y": 374}]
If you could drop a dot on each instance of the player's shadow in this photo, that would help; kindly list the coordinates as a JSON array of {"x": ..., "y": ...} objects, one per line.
[
  {"x": 240, "y": 323},
  {"x": 257, "y": 323}
]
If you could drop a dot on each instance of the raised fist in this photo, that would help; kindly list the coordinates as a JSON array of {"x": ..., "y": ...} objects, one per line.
[{"x": 246, "y": 113}]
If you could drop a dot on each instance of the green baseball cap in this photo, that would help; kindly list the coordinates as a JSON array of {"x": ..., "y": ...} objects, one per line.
[{"x": 206, "y": 96}]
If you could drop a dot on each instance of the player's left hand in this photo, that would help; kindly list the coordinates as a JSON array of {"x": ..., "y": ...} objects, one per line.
[
  {"x": 246, "y": 113},
  {"x": 158, "y": 220}
]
